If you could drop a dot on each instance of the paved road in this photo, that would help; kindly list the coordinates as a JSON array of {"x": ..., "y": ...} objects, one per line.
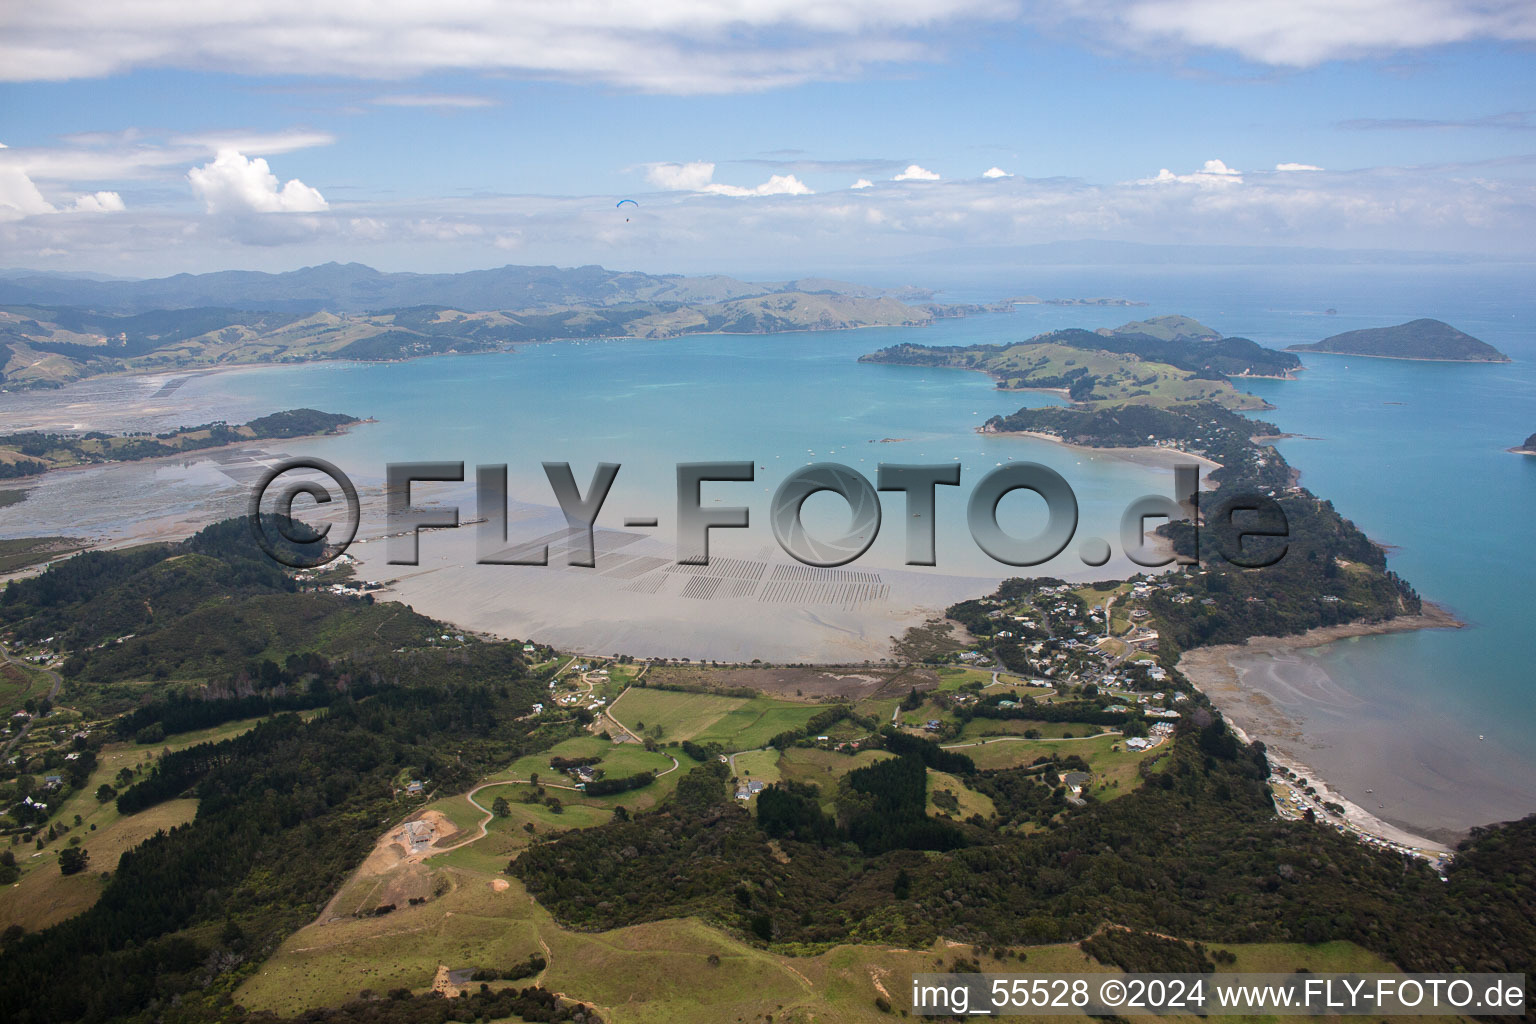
[
  {"x": 481, "y": 830},
  {"x": 730, "y": 759}
]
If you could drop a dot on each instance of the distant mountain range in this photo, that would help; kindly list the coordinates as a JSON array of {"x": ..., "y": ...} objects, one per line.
[
  {"x": 355, "y": 288},
  {"x": 1418, "y": 339}
]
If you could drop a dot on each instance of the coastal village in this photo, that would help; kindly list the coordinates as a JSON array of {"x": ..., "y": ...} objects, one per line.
[{"x": 1068, "y": 635}]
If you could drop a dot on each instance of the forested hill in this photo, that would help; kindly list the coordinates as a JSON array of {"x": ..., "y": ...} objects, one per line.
[
  {"x": 1176, "y": 341},
  {"x": 1164, "y": 361},
  {"x": 1417, "y": 339},
  {"x": 208, "y": 631},
  {"x": 202, "y": 610},
  {"x": 1204, "y": 427},
  {"x": 1196, "y": 851}
]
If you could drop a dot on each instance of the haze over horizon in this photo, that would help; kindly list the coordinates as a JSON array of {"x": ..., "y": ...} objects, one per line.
[{"x": 767, "y": 137}]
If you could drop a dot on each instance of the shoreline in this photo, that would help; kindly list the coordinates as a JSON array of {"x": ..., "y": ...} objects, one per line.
[
  {"x": 32, "y": 480},
  {"x": 506, "y": 349},
  {"x": 1212, "y": 671},
  {"x": 1145, "y": 456},
  {"x": 1356, "y": 818},
  {"x": 1405, "y": 359}
]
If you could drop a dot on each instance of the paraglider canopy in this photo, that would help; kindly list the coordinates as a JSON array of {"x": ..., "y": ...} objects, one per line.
[{"x": 620, "y": 205}]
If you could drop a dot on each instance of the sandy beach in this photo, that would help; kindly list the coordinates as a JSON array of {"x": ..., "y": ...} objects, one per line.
[
  {"x": 1401, "y": 773},
  {"x": 1142, "y": 456}
]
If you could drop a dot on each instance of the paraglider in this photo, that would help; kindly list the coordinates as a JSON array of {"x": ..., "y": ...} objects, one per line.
[{"x": 620, "y": 205}]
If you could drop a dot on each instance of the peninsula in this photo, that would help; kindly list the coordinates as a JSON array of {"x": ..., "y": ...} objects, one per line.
[
  {"x": 33, "y": 452},
  {"x": 1425, "y": 339},
  {"x": 1528, "y": 447},
  {"x": 1162, "y": 361}
]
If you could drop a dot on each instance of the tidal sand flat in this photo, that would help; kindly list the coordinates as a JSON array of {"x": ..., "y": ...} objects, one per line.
[
  {"x": 750, "y": 602},
  {"x": 1401, "y": 760}
]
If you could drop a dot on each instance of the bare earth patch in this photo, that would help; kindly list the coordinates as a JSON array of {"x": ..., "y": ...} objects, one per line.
[{"x": 393, "y": 873}]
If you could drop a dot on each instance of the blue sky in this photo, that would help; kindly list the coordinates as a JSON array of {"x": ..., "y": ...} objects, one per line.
[{"x": 467, "y": 140}]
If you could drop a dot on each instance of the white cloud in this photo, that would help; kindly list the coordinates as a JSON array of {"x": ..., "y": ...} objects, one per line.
[
  {"x": 862, "y": 183},
  {"x": 1297, "y": 167},
  {"x": 698, "y": 176},
  {"x": 910, "y": 228},
  {"x": 1213, "y": 172},
  {"x": 1447, "y": 207},
  {"x": 916, "y": 173},
  {"x": 694, "y": 46},
  {"x": 266, "y": 143},
  {"x": 995, "y": 172},
  {"x": 20, "y": 196},
  {"x": 776, "y": 185},
  {"x": 99, "y": 202},
  {"x": 679, "y": 46},
  {"x": 450, "y": 102},
  {"x": 118, "y": 156},
  {"x": 689, "y": 177},
  {"x": 231, "y": 183},
  {"x": 1295, "y": 33}
]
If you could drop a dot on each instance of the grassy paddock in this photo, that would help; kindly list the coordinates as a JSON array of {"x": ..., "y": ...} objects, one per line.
[
  {"x": 758, "y": 766},
  {"x": 17, "y": 684},
  {"x": 1109, "y": 766},
  {"x": 656, "y": 973},
  {"x": 45, "y": 896},
  {"x": 970, "y": 802},
  {"x": 981, "y": 728},
  {"x": 736, "y": 723}
]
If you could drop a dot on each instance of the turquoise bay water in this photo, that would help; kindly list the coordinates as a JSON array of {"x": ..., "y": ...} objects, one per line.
[
  {"x": 1412, "y": 452},
  {"x": 781, "y": 402},
  {"x": 1415, "y": 454}
]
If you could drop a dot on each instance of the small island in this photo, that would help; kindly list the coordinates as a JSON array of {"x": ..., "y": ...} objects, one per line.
[
  {"x": 1527, "y": 448},
  {"x": 32, "y": 452},
  {"x": 1426, "y": 339}
]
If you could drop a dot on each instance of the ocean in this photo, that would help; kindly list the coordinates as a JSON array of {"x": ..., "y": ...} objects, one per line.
[{"x": 1414, "y": 453}]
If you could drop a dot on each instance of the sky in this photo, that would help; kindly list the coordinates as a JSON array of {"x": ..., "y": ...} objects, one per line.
[{"x": 143, "y": 138}]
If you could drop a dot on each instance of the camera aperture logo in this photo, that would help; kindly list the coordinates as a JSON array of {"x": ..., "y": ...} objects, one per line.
[
  {"x": 290, "y": 541},
  {"x": 286, "y": 539}
]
